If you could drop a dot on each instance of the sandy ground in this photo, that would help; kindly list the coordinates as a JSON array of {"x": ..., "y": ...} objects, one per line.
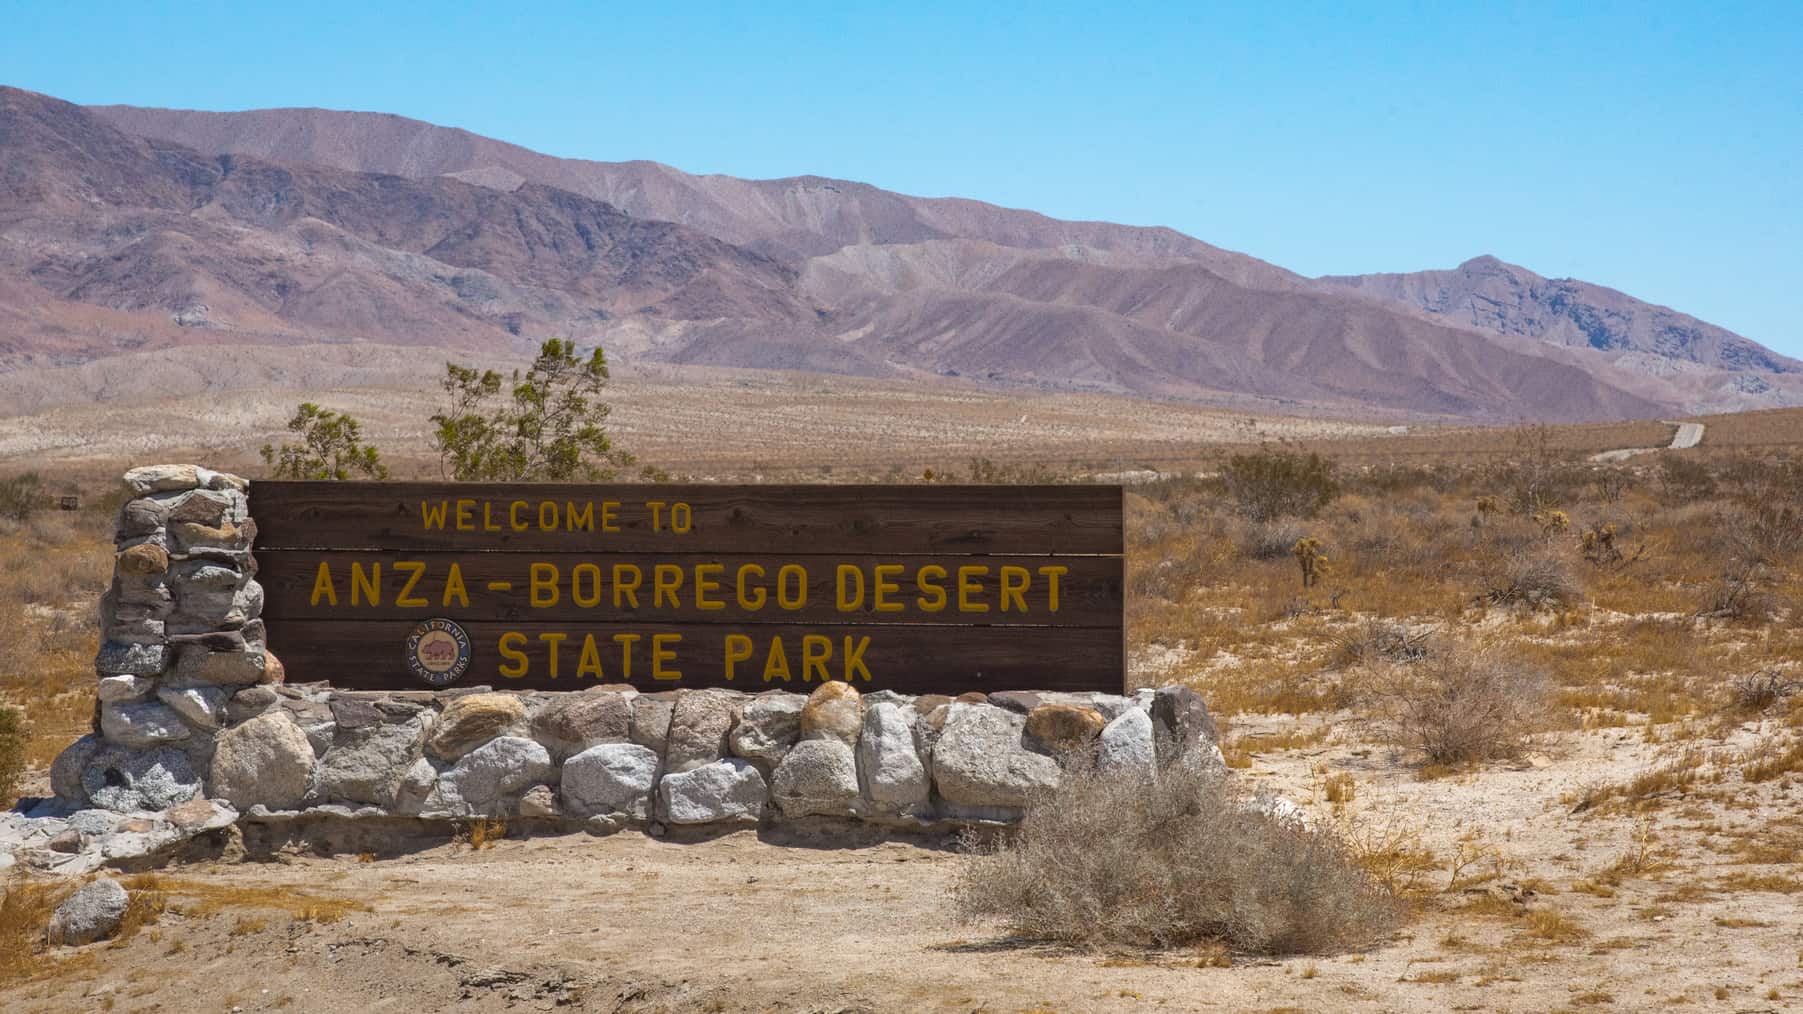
[{"x": 629, "y": 923}]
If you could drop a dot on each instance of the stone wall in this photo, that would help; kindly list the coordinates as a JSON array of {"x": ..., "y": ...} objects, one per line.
[{"x": 196, "y": 728}]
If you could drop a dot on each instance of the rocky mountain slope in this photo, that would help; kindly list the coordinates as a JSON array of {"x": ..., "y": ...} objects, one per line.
[{"x": 123, "y": 229}]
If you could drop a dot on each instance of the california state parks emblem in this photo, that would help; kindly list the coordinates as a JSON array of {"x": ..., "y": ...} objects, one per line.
[{"x": 438, "y": 652}]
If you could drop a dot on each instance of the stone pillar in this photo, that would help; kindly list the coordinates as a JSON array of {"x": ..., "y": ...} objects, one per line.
[{"x": 181, "y": 637}]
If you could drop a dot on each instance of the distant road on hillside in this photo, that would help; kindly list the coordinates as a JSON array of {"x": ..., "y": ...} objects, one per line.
[{"x": 1689, "y": 435}]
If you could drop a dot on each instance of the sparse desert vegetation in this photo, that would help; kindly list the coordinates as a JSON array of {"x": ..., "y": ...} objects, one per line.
[{"x": 1549, "y": 707}]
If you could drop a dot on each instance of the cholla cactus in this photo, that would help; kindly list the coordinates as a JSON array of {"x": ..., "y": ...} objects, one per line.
[
  {"x": 1598, "y": 544},
  {"x": 1551, "y": 522},
  {"x": 1312, "y": 561}
]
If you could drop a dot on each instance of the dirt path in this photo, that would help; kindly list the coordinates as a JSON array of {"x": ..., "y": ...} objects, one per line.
[{"x": 1689, "y": 435}]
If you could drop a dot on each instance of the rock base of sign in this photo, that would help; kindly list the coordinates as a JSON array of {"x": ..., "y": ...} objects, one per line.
[{"x": 384, "y": 772}]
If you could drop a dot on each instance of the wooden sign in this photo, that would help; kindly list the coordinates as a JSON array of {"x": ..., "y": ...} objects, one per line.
[{"x": 920, "y": 589}]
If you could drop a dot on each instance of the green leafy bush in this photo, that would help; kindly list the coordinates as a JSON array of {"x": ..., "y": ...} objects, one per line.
[
  {"x": 331, "y": 447},
  {"x": 547, "y": 426}
]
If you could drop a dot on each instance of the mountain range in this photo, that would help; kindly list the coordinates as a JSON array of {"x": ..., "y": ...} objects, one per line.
[{"x": 126, "y": 230}]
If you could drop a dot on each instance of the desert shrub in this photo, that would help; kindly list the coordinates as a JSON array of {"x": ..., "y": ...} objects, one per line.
[
  {"x": 1270, "y": 540},
  {"x": 1757, "y": 691},
  {"x": 549, "y": 427},
  {"x": 1740, "y": 595},
  {"x": 1538, "y": 580},
  {"x": 12, "y": 753},
  {"x": 1273, "y": 483},
  {"x": 1376, "y": 641},
  {"x": 331, "y": 447},
  {"x": 21, "y": 496},
  {"x": 1684, "y": 479},
  {"x": 1535, "y": 475},
  {"x": 1460, "y": 704},
  {"x": 1105, "y": 860}
]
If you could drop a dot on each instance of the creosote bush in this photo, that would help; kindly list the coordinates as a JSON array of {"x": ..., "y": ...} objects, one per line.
[
  {"x": 1105, "y": 860},
  {"x": 21, "y": 496},
  {"x": 1273, "y": 483},
  {"x": 1460, "y": 704}
]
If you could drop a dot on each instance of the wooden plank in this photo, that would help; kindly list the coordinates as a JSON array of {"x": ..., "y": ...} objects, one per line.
[
  {"x": 878, "y": 519},
  {"x": 584, "y": 589},
  {"x": 372, "y": 655}
]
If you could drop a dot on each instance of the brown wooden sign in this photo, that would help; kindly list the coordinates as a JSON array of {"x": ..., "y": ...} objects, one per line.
[{"x": 921, "y": 589}]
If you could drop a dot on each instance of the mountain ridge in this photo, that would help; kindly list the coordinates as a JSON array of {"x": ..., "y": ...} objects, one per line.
[{"x": 296, "y": 225}]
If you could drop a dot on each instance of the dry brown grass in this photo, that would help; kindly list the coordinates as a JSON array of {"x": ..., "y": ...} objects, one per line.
[{"x": 53, "y": 569}]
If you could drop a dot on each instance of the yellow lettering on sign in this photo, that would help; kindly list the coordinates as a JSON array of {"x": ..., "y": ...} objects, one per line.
[
  {"x": 547, "y": 516},
  {"x": 849, "y": 601},
  {"x": 738, "y": 649},
  {"x": 776, "y": 664},
  {"x": 968, "y": 586},
  {"x": 666, "y": 580},
  {"x": 1052, "y": 573},
  {"x": 932, "y": 593},
  {"x": 610, "y": 515},
  {"x": 854, "y": 658},
  {"x": 579, "y": 520},
  {"x": 1014, "y": 587},
  {"x": 551, "y": 642},
  {"x": 489, "y": 524},
  {"x": 707, "y": 585},
  {"x": 433, "y": 518},
  {"x": 748, "y": 602},
  {"x": 660, "y": 655},
  {"x": 366, "y": 585},
  {"x": 515, "y": 666},
  {"x": 513, "y": 516},
  {"x": 453, "y": 589},
  {"x": 792, "y": 586},
  {"x": 593, "y": 574},
  {"x": 627, "y": 578},
  {"x": 883, "y": 588},
  {"x": 414, "y": 571},
  {"x": 322, "y": 586},
  {"x": 544, "y": 585},
  {"x": 466, "y": 519},
  {"x": 626, "y": 641},
  {"x": 815, "y": 650},
  {"x": 590, "y": 663}
]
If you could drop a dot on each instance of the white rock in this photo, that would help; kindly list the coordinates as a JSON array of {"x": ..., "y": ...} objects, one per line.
[
  {"x": 769, "y": 725},
  {"x": 125, "y": 688},
  {"x": 610, "y": 778},
  {"x": 122, "y": 779},
  {"x": 91, "y": 913},
  {"x": 981, "y": 758},
  {"x": 1126, "y": 748},
  {"x": 202, "y": 706},
  {"x": 142, "y": 725},
  {"x": 889, "y": 768},
  {"x": 483, "y": 781},
  {"x": 730, "y": 789},
  {"x": 266, "y": 760},
  {"x": 819, "y": 776},
  {"x": 368, "y": 764}
]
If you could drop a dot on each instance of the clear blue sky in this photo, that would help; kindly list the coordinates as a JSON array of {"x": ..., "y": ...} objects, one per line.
[{"x": 1655, "y": 148}]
